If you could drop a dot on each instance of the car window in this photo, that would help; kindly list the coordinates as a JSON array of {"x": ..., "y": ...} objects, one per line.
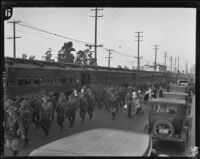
[{"x": 158, "y": 108}]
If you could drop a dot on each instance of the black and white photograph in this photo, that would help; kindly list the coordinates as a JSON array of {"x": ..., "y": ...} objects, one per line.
[{"x": 99, "y": 81}]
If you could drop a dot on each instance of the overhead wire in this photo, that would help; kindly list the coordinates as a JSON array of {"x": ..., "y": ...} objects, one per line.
[{"x": 39, "y": 29}]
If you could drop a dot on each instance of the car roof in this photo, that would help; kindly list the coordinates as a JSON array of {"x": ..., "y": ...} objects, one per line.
[
  {"x": 168, "y": 100},
  {"x": 176, "y": 93},
  {"x": 98, "y": 142}
]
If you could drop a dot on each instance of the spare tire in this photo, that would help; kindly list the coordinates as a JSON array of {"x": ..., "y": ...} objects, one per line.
[{"x": 164, "y": 125}]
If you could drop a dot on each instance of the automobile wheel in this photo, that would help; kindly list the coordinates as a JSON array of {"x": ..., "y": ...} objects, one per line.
[{"x": 165, "y": 126}]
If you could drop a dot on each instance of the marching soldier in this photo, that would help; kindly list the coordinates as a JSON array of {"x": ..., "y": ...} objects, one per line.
[
  {"x": 113, "y": 105},
  {"x": 46, "y": 115},
  {"x": 129, "y": 101},
  {"x": 36, "y": 106},
  {"x": 53, "y": 99},
  {"x": 14, "y": 129},
  {"x": 25, "y": 115},
  {"x": 60, "y": 110},
  {"x": 90, "y": 102},
  {"x": 71, "y": 109},
  {"x": 83, "y": 106}
]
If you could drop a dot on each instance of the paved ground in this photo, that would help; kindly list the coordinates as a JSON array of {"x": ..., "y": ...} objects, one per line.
[{"x": 102, "y": 118}]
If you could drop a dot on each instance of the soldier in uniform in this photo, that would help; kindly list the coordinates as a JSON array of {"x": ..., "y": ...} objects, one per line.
[
  {"x": 71, "y": 109},
  {"x": 25, "y": 115},
  {"x": 54, "y": 101},
  {"x": 14, "y": 129},
  {"x": 36, "y": 105},
  {"x": 83, "y": 106},
  {"x": 60, "y": 110},
  {"x": 46, "y": 115},
  {"x": 129, "y": 101},
  {"x": 113, "y": 105},
  {"x": 90, "y": 102}
]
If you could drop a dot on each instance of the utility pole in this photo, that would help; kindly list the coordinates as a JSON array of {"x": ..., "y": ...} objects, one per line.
[
  {"x": 155, "y": 64},
  {"x": 95, "y": 36},
  {"x": 175, "y": 65},
  {"x": 171, "y": 62},
  {"x": 138, "y": 40},
  {"x": 14, "y": 37},
  {"x": 178, "y": 64},
  {"x": 109, "y": 52},
  {"x": 165, "y": 55},
  {"x": 186, "y": 69}
]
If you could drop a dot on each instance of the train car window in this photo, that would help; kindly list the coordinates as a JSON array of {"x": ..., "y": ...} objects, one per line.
[
  {"x": 62, "y": 80},
  {"x": 37, "y": 81},
  {"x": 70, "y": 80},
  {"x": 27, "y": 82},
  {"x": 21, "y": 82},
  {"x": 49, "y": 81}
]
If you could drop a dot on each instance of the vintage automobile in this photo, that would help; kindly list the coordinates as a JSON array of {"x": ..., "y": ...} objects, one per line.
[
  {"x": 169, "y": 120},
  {"x": 99, "y": 142},
  {"x": 181, "y": 96},
  {"x": 177, "y": 88}
]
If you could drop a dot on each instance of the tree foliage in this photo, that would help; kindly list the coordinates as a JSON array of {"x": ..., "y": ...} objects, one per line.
[
  {"x": 48, "y": 55},
  {"x": 119, "y": 66},
  {"x": 31, "y": 57},
  {"x": 24, "y": 56},
  {"x": 65, "y": 55},
  {"x": 85, "y": 57}
]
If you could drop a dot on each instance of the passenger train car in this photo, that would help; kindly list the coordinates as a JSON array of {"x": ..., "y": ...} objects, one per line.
[{"x": 25, "y": 76}]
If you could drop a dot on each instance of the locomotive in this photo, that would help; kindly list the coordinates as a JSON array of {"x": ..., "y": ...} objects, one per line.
[{"x": 25, "y": 76}]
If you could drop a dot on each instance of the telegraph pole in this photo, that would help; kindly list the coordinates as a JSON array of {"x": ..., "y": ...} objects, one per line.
[
  {"x": 165, "y": 55},
  {"x": 155, "y": 64},
  {"x": 175, "y": 65},
  {"x": 138, "y": 40},
  {"x": 109, "y": 52},
  {"x": 95, "y": 36},
  {"x": 171, "y": 62},
  {"x": 14, "y": 37},
  {"x": 178, "y": 64}
]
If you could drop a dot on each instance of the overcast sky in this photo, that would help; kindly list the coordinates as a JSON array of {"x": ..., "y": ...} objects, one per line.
[{"x": 173, "y": 29}]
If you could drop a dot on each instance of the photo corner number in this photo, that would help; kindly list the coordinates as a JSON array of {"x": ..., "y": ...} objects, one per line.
[{"x": 8, "y": 12}]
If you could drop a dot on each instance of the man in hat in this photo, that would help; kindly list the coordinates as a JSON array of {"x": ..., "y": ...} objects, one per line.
[
  {"x": 46, "y": 114},
  {"x": 83, "y": 106},
  {"x": 129, "y": 101},
  {"x": 60, "y": 110},
  {"x": 14, "y": 129},
  {"x": 25, "y": 115},
  {"x": 71, "y": 109},
  {"x": 90, "y": 101}
]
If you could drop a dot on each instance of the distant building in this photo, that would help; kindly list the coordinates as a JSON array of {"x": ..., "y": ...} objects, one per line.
[
  {"x": 159, "y": 68},
  {"x": 192, "y": 69}
]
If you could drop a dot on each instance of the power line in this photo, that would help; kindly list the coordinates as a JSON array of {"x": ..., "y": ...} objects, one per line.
[
  {"x": 87, "y": 43},
  {"x": 165, "y": 56}
]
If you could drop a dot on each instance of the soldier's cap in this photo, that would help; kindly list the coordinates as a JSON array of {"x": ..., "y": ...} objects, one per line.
[{"x": 139, "y": 91}]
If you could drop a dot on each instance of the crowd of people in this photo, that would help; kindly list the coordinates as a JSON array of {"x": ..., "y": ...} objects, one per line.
[{"x": 43, "y": 107}]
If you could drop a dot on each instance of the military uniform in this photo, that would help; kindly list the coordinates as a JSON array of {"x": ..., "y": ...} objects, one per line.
[
  {"x": 83, "y": 107},
  {"x": 129, "y": 102},
  {"x": 90, "y": 102},
  {"x": 25, "y": 115},
  {"x": 60, "y": 110},
  {"x": 46, "y": 115},
  {"x": 113, "y": 105},
  {"x": 14, "y": 130},
  {"x": 71, "y": 109}
]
